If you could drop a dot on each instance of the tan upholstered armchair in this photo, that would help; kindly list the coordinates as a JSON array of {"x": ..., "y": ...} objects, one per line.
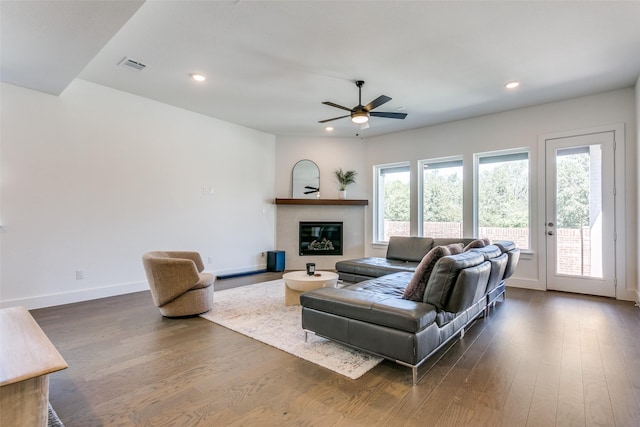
[{"x": 178, "y": 285}]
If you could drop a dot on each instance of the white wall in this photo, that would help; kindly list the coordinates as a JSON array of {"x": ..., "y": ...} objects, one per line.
[
  {"x": 521, "y": 128},
  {"x": 95, "y": 177},
  {"x": 638, "y": 182},
  {"x": 329, "y": 154}
]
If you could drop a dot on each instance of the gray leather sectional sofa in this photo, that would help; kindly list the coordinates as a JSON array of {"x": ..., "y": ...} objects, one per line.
[{"x": 373, "y": 316}]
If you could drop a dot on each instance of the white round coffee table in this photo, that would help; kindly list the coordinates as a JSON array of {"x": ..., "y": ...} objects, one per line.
[{"x": 297, "y": 282}]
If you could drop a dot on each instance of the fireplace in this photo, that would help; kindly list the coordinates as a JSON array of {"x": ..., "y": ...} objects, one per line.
[{"x": 320, "y": 238}]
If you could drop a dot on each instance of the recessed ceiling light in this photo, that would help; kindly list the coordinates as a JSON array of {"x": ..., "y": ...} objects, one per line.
[
  {"x": 512, "y": 85},
  {"x": 328, "y": 128},
  {"x": 198, "y": 77}
]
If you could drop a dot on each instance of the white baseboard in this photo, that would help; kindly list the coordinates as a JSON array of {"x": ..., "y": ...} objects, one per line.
[
  {"x": 627, "y": 295},
  {"x": 51, "y": 300},
  {"x": 515, "y": 282}
]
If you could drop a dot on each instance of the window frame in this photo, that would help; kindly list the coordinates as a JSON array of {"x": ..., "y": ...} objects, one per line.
[
  {"x": 378, "y": 209},
  {"x": 476, "y": 182},
  {"x": 421, "y": 165}
]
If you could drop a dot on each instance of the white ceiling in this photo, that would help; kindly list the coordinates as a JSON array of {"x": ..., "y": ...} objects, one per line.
[{"x": 270, "y": 64}]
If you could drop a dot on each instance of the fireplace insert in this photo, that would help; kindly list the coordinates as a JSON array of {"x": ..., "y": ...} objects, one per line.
[{"x": 320, "y": 238}]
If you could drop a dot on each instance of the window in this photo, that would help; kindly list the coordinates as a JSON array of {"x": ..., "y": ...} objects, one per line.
[
  {"x": 392, "y": 202},
  {"x": 441, "y": 190},
  {"x": 502, "y": 196}
]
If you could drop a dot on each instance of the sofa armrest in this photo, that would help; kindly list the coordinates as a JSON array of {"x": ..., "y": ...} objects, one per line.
[{"x": 370, "y": 307}]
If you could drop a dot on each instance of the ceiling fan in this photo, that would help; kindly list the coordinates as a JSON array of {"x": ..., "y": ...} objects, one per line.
[{"x": 360, "y": 113}]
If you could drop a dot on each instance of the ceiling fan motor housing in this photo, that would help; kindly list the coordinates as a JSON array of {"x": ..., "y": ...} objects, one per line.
[{"x": 360, "y": 113}]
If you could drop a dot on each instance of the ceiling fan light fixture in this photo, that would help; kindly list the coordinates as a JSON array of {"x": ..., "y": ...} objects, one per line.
[{"x": 360, "y": 117}]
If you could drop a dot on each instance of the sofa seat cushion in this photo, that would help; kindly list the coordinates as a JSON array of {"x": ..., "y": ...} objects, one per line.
[
  {"x": 205, "y": 280},
  {"x": 375, "y": 301},
  {"x": 374, "y": 267}
]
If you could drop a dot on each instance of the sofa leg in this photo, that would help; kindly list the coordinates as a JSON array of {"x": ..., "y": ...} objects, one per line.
[
  {"x": 414, "y": 374},
  {"x": 461, "y": 333}
]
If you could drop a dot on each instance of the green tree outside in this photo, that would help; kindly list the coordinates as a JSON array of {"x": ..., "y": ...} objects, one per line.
[
  {"x": 503, "y": 195},
  {"x": 396, "y": 201},
  {"x": 572, "y": 190},
  {"x": 442, "y": 197}
]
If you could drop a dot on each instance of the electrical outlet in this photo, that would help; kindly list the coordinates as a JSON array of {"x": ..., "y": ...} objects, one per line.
[
  {"x": 210, "y": 260},
  {"x": 263, "y": 254},
  {"x": 79, "y": 274}
]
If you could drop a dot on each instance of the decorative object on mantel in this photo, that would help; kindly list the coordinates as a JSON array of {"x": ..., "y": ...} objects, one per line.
[
  {"x": 305, "y": 180},
  {"x": 345, "y": 178}
]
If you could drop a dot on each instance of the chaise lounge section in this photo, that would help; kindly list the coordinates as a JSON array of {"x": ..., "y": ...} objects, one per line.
[{"x": 378, "y": 316}]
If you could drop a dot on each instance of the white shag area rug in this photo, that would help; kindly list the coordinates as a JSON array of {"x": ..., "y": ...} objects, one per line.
[{"x": 258, "y": 311}]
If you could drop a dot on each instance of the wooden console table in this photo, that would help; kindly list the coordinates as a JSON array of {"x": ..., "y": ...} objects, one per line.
[{"x": 27, "y": 357}]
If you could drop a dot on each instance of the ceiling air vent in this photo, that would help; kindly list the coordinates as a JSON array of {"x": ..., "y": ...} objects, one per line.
[{"x": 132, "y": 64}]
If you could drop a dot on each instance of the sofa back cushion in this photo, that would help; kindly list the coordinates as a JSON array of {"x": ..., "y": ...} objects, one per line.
[
  {"x": 444, "y": 241},
  {"x": 469, "y": 287},
  {"x": 408, "y": 248},
  {"x": 513, "y": 253},
  {"x": 498, "y": 260},
  {"x": 444, "y": 276}
]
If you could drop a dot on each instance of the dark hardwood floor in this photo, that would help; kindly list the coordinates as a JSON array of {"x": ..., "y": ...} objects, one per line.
[{"x": 539, "y": 359}]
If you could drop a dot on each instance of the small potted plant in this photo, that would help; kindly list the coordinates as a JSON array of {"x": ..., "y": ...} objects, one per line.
[{"x": 344, "y": 179}]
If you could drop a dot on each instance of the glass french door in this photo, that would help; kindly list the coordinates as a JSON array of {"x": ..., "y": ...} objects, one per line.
[{"x": 580, "y": 220}]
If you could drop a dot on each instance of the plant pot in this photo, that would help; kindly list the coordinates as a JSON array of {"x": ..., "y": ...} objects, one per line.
[{"x": 342, "y": 194}]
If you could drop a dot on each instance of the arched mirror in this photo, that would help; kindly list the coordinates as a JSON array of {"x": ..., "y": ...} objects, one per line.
[{"x": 305, "y": 179}]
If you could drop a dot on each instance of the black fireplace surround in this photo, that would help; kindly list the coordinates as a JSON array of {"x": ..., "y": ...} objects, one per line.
[{"x": 320, "y": 238}]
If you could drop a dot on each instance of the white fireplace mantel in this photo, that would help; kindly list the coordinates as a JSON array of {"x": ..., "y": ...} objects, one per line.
[{"x": 350, "y": 212}]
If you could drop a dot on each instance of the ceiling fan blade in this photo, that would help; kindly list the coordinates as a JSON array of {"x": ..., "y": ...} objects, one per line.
[
  {"x": 338, "y": 106},
  {"x": 382, "y": 99},
  {"x": 388, "y": 115},
  {"x": 335, "y": 118}
]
